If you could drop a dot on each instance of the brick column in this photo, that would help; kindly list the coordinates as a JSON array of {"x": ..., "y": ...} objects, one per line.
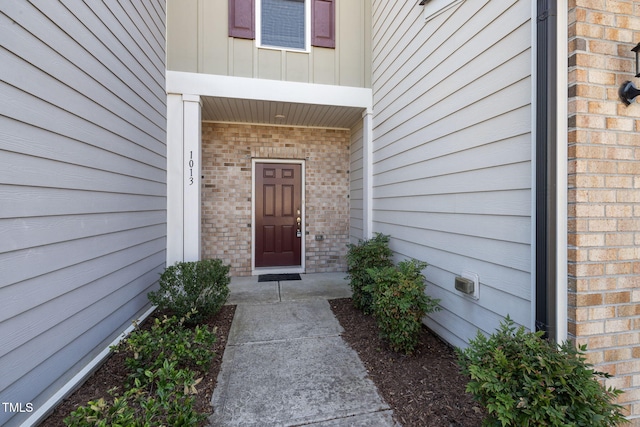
[{"x": 604, "y": 192}]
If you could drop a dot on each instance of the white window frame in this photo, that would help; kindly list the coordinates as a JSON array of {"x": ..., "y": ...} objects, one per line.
[
  {"x": 433, "y": 8},
  {"x": 307, "y": 29}
]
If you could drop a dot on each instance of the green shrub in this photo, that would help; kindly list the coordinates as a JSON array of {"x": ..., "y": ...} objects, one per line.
[
  {"x": 100, "y": 413},
  {"x": 202, "y": 286},
  {"x": 163, "y": 362},
  {"x": 400, "y": 303},
  {"x": 167, "y": 340},
  {"x": 525, "y": 380},
  {"x": 165, "y": 400},
  {"x": 367, "y": 254}
]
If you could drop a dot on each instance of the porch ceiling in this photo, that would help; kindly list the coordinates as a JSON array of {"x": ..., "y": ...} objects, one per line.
[{"x": 221, "y": 109}]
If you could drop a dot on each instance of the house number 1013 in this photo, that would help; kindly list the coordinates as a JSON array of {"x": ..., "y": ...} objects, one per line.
[{"x": 191, "y": 164}]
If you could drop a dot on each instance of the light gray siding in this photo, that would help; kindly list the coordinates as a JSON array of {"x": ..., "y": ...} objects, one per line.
[
  {"x": 82, "y": 184},
  {"x": 356, "y": 187},
  {"x": 452, "y": 153}
]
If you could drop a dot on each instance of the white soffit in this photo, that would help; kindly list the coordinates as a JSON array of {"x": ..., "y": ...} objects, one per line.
[
  {"x": 272, "y": 112},
  {"x": 246, "y": 100}
]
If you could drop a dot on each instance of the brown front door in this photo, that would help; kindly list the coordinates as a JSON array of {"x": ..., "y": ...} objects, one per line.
[{"x": 278, "y": 214}]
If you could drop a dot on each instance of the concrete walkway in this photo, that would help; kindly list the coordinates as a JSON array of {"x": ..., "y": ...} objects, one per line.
[{"x": 285, "y": 363}]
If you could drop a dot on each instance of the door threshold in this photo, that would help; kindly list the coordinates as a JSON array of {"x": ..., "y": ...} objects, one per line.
[{"x": 277, "y": 270}]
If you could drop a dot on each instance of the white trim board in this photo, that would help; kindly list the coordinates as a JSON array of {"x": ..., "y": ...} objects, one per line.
[
  {"x": 562, "y": 317},
  {"x": 534, "y": 88},
  {"x": 268, "y": 90}
]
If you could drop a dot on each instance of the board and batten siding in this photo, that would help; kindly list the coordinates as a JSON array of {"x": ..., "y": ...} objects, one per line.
[
  {"x": 452, "y": 162},
  {"x": 82, "y": 184},
  {"x": 198, "y": 41}
]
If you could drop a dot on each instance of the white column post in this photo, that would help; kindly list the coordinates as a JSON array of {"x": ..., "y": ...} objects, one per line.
[
  {"x": 191, "y": 176},
  {"x": 367, "y": 174},
  {"x": 175, "y": 201}
]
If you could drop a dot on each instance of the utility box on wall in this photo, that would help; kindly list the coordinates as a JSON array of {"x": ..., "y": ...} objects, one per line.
[
  {"x": 464, "y": 285},
  {"x": 469, "y": 284}
]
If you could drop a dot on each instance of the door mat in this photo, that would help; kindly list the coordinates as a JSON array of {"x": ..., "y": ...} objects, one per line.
[{"x": 278, "y": 277}]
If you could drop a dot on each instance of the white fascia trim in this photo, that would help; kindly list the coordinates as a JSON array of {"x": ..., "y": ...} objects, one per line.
[
  {"x": 180, "y": 82},
  {"x": 562, "y": 139}
]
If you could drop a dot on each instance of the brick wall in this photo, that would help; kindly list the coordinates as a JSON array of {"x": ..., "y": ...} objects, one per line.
[
  {"x": 227, "y": 150},
  {"x": 604, "y": 192}
]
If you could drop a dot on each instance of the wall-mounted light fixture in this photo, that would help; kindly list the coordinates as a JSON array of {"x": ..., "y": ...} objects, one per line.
[{"x": 628, "y": 91}]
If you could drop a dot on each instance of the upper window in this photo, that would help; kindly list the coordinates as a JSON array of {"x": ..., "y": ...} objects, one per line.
[{"x": 283, "y": 23}]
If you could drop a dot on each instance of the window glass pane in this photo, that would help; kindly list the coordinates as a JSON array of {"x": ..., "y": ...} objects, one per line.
[{"x": 282, "y": 23}]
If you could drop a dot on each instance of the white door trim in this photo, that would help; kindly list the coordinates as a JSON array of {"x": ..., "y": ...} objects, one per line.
[{"x": 277, "y": 270}]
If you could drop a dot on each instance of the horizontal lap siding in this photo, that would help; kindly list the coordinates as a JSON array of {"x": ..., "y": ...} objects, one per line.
[
  {"x": 356, "y": 187},
  {"x": 452, "y": 153},
  {"x": 82, "y": 184}
]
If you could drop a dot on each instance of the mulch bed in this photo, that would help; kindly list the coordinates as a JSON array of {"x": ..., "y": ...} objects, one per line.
[
  {"x": 113, "y": 373},
  {"x": 424, "y": 389}
]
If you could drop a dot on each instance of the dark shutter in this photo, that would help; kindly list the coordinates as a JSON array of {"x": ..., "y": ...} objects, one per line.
[
  {"x": 242, "y": 19},
  {"x": 323, "y": 23}
]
